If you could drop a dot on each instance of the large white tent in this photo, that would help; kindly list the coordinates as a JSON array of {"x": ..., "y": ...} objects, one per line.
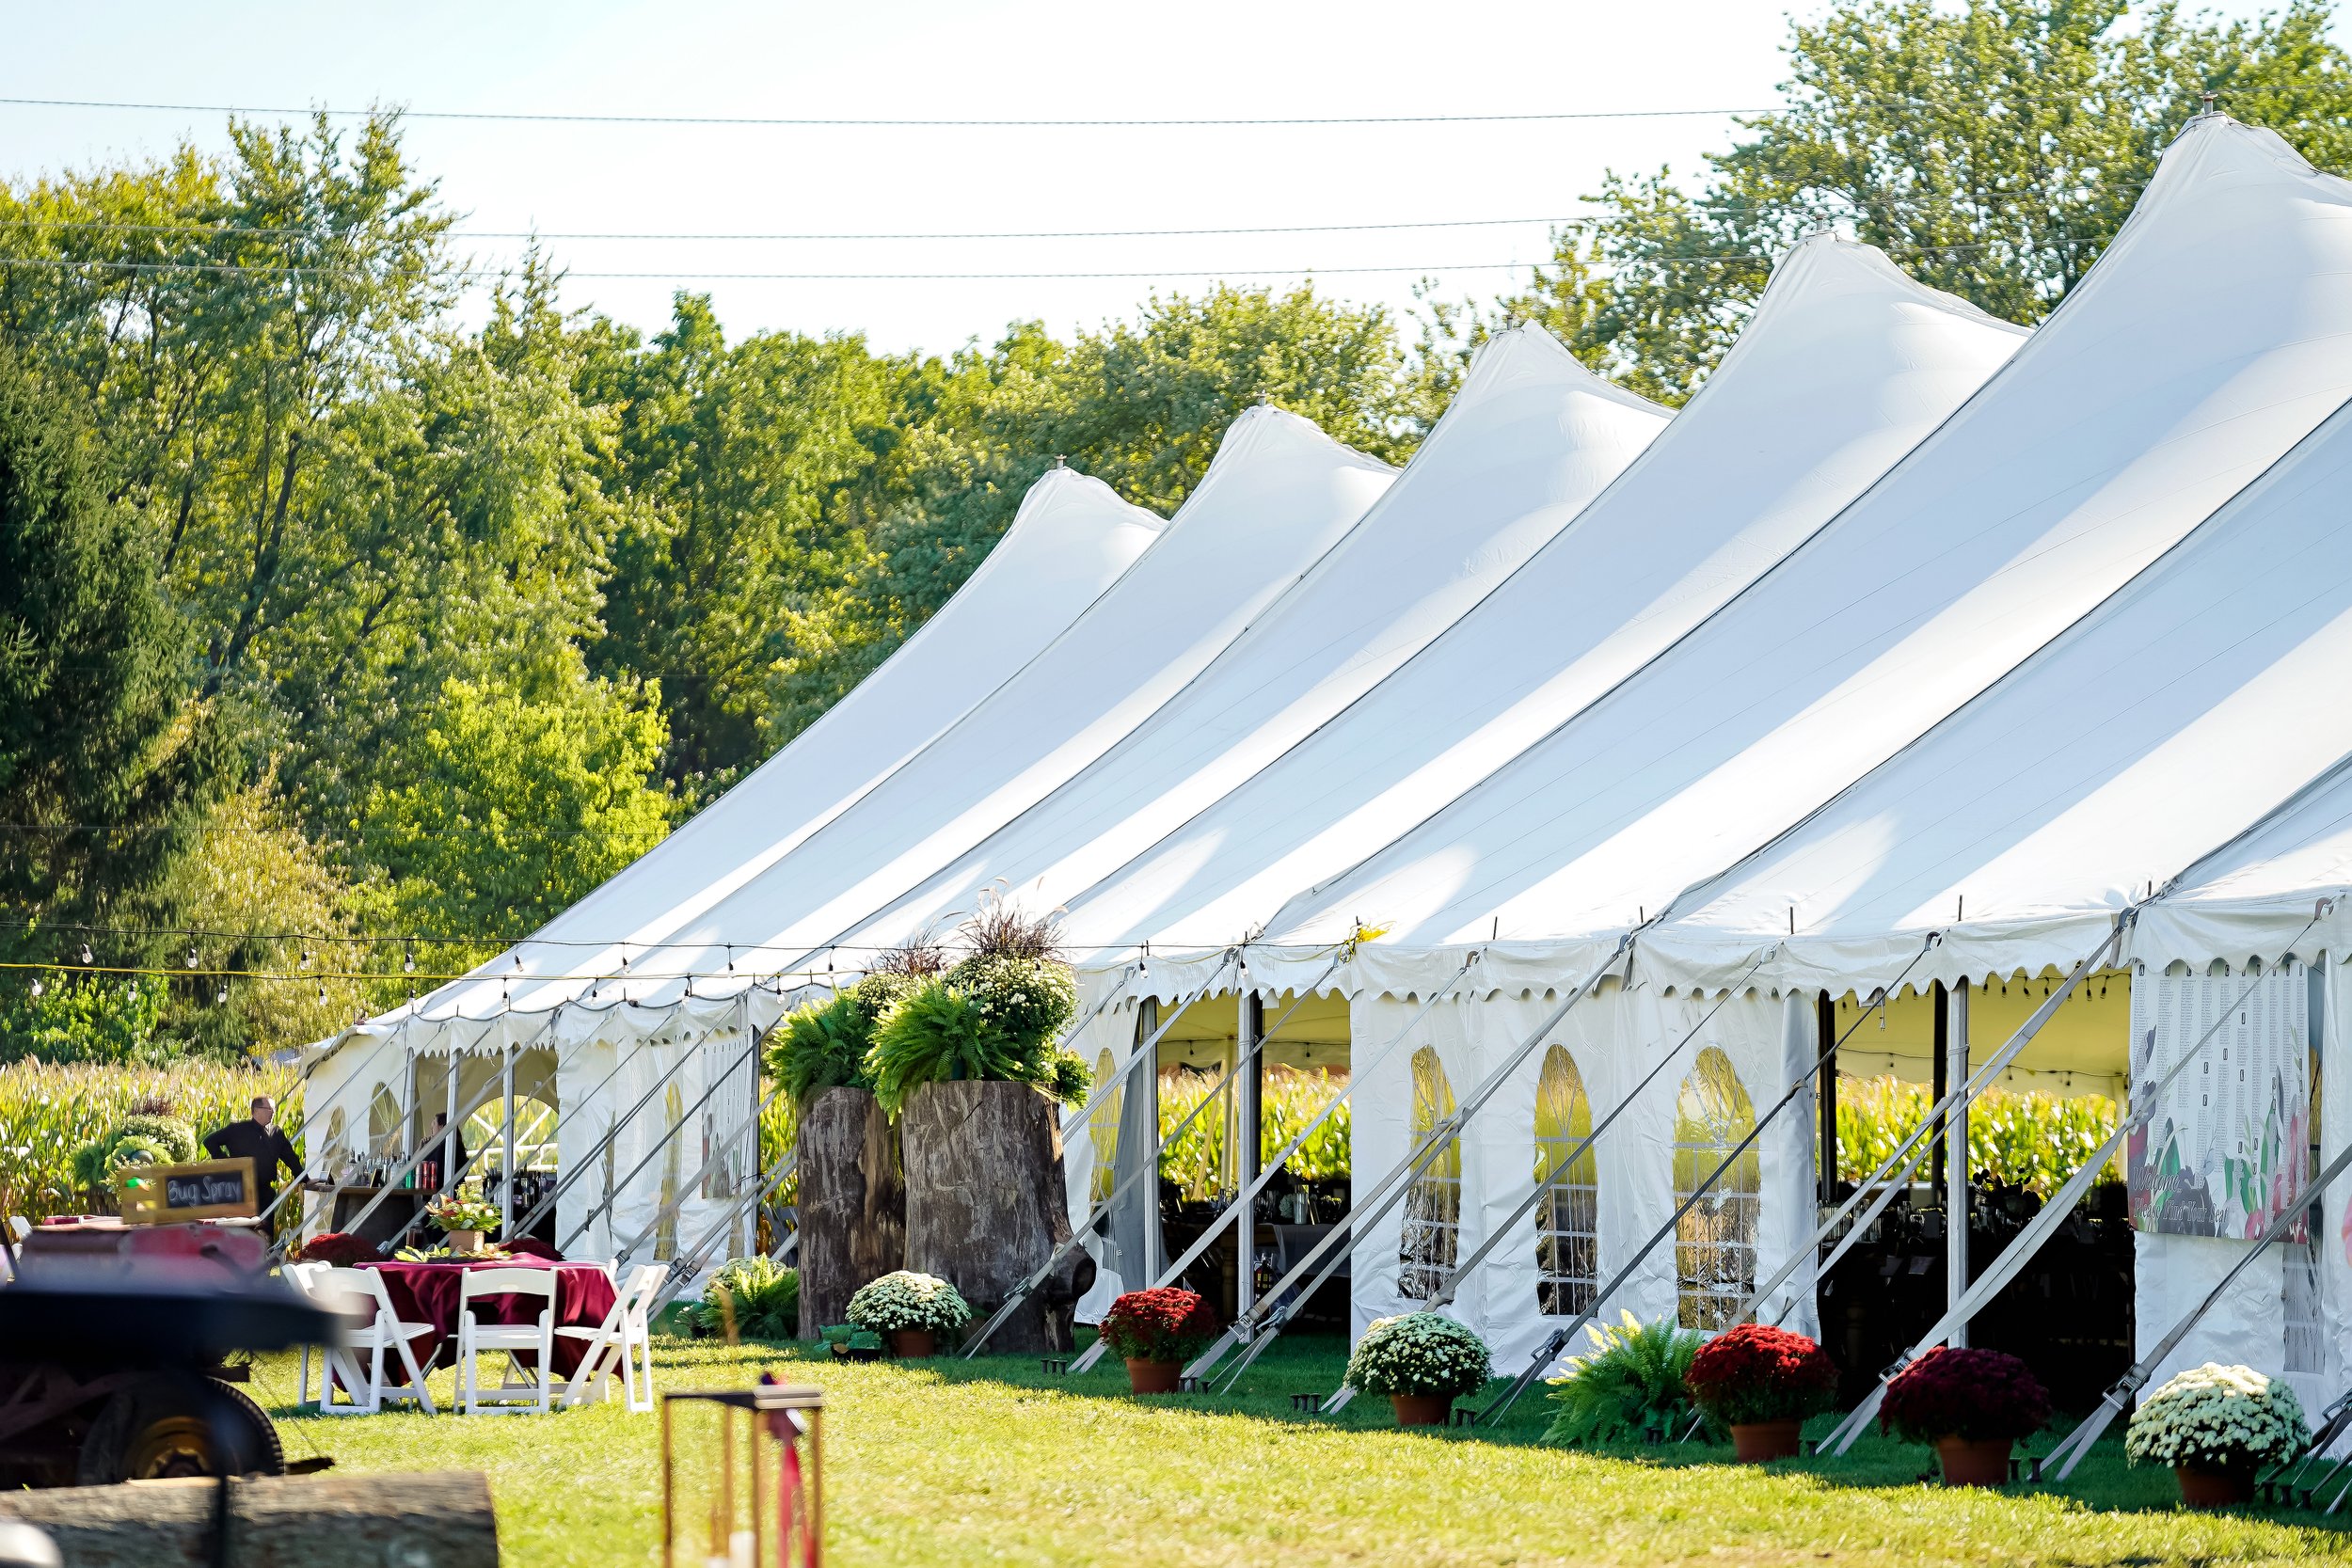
[
  {"x": 1530, "y": 438},
  {"x": 1846, "y": 364}
]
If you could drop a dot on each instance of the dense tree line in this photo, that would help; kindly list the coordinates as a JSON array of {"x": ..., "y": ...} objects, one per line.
[{"x": 323, "y": 616}]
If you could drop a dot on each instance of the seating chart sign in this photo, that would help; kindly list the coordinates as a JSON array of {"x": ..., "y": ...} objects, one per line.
[{"x": 2226, "y": 1150}]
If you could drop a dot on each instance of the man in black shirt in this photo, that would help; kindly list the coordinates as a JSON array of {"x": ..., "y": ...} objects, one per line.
[{"x": 258, "y": 1139}]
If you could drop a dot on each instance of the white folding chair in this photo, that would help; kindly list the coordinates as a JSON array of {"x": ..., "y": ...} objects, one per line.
[
  {"x": 510, "y": 1340},
  {"x": 301, "y": 1275},
  {"x": 361, "y": 1293},
  {"x": 624, "y": 1336}
]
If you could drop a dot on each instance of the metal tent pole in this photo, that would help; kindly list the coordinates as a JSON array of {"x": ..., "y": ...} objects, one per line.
[
  {"x": 506, "y": 1195},
  {"x": 2038, "y": 1231},
  {"x": 663, "y": 1142},
  {"x": 2076, "y": 1443},
  {"x": 1118, "y": 1075},
  {"x": 1281, "y": 1158},
  {"x": 1393, "y": 1188},
  {"x": 1952, "y": 1012},
  {"x": 587, "y": 1159},
  {"x": 1248, "y": 1104},
  {"x": 750, "y": 1128}
]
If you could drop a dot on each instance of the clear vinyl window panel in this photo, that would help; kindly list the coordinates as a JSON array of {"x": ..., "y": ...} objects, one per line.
[
  {"x": 1568, "y": 1216},
  {"x": 1714, "y": 1243},
  {"x": 1433, "y": 1205}
]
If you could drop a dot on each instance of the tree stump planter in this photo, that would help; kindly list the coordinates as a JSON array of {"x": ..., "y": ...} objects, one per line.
[
  {"x": 986, "y": 1206},
  {"x": 2202, "y": 1487},
  {"x": 854, "y": 1211},
  {"x": 1155, "y": 1377},
  {"x": 913, "y": 1344},
  {"x": 1973, "y": 1462},
  {"x": 1421, "y": 1410},
  {"x": 1761, "y": 1442}
]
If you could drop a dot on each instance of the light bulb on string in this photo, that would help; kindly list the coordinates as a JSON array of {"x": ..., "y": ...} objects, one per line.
[
  {"x": 85, "y": 958},
  {"x": 191, "y": 957},
  {"x": 322, "y": 993},
  {"x": 305, "y": 958},
  {"x": 37, "y": 985},
  {"x": 221, "y": 996}
]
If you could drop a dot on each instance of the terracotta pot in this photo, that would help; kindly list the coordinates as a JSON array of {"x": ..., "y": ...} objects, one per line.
[
  {"x": 1975, "y": 1460},
  {"x": 913, "y": 1344},
  {"x": 2202, "y": 1486},
  {"x": 1761, "y": 1442},
  {"x": 1422, "y": 1410},
  {"x": 1154, "y": 1377},
  {"x": 465, "y": 1241}
]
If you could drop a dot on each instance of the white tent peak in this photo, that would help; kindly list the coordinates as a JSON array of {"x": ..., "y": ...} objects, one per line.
[
  {"x": 1528, "y": 350},
  {"x": 1832, "y": 265},
  {"x": 1066, "y": 498},
  {"x": 1264, "y": 427}
]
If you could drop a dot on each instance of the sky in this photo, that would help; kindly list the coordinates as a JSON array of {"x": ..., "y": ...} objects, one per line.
[{"x": 1016, "y": 59}]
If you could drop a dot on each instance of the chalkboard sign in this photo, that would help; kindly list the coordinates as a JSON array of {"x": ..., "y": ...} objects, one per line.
[{"x": 209, "y": 1190}]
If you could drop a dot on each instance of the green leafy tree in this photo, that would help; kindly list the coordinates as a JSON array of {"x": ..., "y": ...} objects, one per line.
[{"x": 1992, "y": 149}]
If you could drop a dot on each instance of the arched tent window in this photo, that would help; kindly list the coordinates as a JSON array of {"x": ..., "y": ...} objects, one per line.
[
  {"x": 1567, "y": 1217},
  {"x": 383, "y": 1123},
  {"x": 1433, "y": 1206},
  {"x": 534, "y": 1134},
  {"x": 1103, "y": 1130},
  {"x": 1715, "y": 1243}
]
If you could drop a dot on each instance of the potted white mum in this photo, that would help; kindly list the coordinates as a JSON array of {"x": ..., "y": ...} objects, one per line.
[
  {"x": 2216, "y": 1427},
  {"x": 910, "y": 1311},
  {"x": 1424, "y": 1362}
]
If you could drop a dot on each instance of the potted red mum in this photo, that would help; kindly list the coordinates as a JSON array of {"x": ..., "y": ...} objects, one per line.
[
  {"x": 1761, "y": 1382},
  {"x": 338, "y": 1249},
  {"x": 1972, "y": 1405},
  {"x": 1156, "y": 1332}
]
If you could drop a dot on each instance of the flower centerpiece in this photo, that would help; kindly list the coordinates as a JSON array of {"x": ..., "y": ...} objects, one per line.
[
  {"x": 1156, "y": 1332},
  {"x": 2216, "y": 1426},
  {"x": 462, "y": 1216},
  {"x": 1761, "y": 1382},
  {"x": 1972, "y": 1405},
  {"x": 911, "y": 1310},
  {"x": 1424, "y": 1362}
]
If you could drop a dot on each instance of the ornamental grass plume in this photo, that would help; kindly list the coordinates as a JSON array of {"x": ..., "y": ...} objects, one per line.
[
  {"x": 1418, "y": 1354},
  {"x": 1167, "y": 1324},
  {"x": 1755, "y": 1373},
  {"x": 2217, "y": 1417},
  {"x": 1981, "y": 1395}
]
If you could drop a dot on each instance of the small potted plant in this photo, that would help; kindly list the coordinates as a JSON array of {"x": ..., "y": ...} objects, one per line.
[
  {"x": 462, "y": 1216},
  {"x": 1156, "y": 1332},
  {"x": 909, "y": 1311},
  {"x": 1424, "y": 1362},
  {"x": 1972, "y": 1405},
  {"x": 1761, "y": 1382},
  {"x": 2216, "y": 1427}
]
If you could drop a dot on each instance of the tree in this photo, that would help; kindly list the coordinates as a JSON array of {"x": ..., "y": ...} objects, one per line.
[
  {"x": 1992, "y": 151},
  {"x": 107, "y": 762}
]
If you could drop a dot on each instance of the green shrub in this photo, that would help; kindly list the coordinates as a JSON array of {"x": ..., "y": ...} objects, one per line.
[
  {"x": 1031, "y": 1001},
  {"x": 934, "y": 1034},
  {"x": 824, "y": 1045},
  {"x": 1629, "y": 1390},
  {"x": 176, "y": 1138},
  {"x": 763, "y": 1295},
  {"x": 1072, "y": 1080}
]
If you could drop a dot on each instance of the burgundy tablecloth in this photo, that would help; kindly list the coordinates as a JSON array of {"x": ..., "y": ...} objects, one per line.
[{"x": 428, "y": 1292}]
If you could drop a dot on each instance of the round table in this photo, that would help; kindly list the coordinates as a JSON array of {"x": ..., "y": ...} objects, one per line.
[{"x": 428, "y": 1293}]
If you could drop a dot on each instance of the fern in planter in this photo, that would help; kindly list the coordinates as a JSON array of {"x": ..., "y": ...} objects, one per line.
[
  {"x": 935, "y": 1035},
  {"x": 824, "y": 1045},
  {"x": 1629, "y": 1390},
  {"x": 997, "y": 1016}
]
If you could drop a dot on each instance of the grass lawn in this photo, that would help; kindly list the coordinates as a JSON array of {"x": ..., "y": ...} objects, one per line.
[{"x": 992, "y": 1461}]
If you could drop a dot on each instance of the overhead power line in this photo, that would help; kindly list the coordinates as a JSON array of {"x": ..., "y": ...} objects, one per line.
[
  {"x": 230, "y": 231},
  {"x": 848, "y": 122}
]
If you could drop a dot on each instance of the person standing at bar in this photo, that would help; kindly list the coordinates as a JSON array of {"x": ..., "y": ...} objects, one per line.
[
  {"x": 258, "y": 1138},
  {"x": 448, "y": 1155}
]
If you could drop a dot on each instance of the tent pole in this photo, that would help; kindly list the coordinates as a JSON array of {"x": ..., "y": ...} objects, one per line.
[
  {"x": 1148, "y": 1034},
  {"x": 1248, "y": 1104},
  {"x": 1951, "y": 1011},
  {"x": 1825, "y": 1037},
  {"x": 263, "y": 1218},
  {"x": 1256, "y": 1334},
  {"x": 749, "y": 1127},
  {"x": 507, "y": 1198},
  {"x": 661, "y": 1144},
  {"x": 1795, "y": 1091},
  {"x": 1094, "y": 1101},
  {"x": 2077, "y": 1442},
  {"x": 1173, "y": 1272},
  {"x": 565, "y": 1177},
  {"x": 1149, "y": 1166},
  {"x": 1940, "y": 1062},
  {"x": 2046, "y": 1222}
]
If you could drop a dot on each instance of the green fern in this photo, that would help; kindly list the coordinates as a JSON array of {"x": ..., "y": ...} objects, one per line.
[
  {"x": 934, "y": 1034},
  {"x": 1629, "y": 1390},
  {"x": 824, "y": 1045}
]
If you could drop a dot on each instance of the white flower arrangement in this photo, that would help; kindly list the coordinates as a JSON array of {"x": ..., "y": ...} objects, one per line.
[
  {"x": 908, "y": 1302},
  {"x": 2213, "y": 1418},
  {"x": 1420, "y": 1353}
]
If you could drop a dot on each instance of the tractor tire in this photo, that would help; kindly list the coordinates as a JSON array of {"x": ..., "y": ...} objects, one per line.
[{"x": 163, "y": 1427}]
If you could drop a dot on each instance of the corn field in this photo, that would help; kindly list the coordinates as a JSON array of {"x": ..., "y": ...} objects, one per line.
[
  {"x": 46, "y": 1113},
  {"x": 2034, "y": 1141},
  {"x": 1196, "y": 1160}
]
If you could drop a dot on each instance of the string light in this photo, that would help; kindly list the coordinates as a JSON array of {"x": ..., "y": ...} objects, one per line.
[
  {"x": 305, "y": 958},
  {"x": 85, "y": 958},
  {"x": 191, "y": 957},
  {"x": 37, "y": 985},
  {"x": 222, "y": 996},
  {"x": 408, "y": 960}
]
